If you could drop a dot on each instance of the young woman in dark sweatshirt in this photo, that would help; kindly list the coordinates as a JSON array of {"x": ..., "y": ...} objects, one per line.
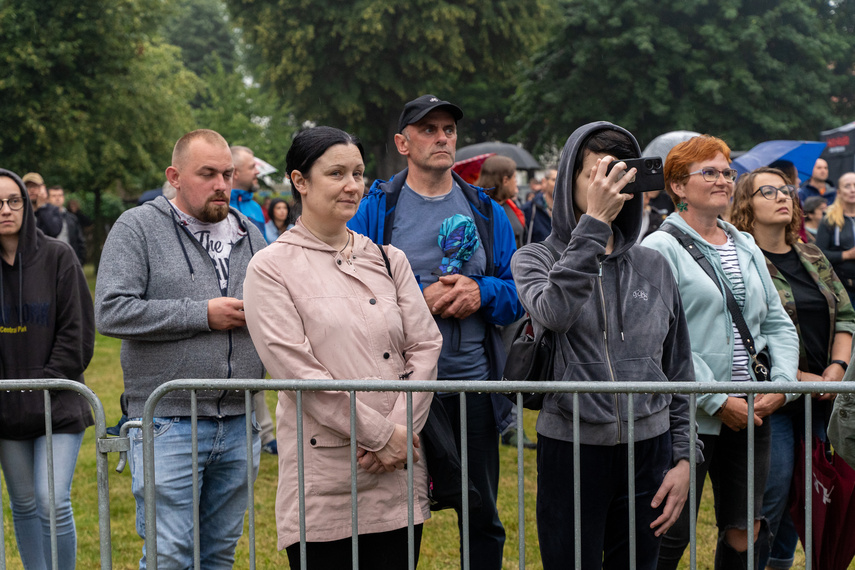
[{"x": 46, "y": 331}]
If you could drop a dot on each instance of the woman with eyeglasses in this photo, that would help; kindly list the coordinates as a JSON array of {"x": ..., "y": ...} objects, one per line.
[
  {"x": 48, "y": 331},
  {"x": 699, "y": 179},
  {"x": 767, "y": 206},
  {"x": 836, "y": 234}
]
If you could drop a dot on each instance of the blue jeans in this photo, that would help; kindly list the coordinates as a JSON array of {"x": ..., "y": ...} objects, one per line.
[
  {"x": 787, "y": 429},
  {"x": 486, "y": 533},
  {"x": 222, "y": 489},
  {"x": 25, "y": 469}
]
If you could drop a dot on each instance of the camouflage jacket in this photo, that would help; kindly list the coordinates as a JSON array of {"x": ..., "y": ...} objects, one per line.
[{"x": 840, "y": 311}]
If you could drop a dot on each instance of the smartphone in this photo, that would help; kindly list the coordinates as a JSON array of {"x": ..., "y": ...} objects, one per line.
[{"x": 648, "y": 174}]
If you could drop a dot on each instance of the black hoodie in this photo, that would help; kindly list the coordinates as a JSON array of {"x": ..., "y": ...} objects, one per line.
[{"x": 46, "y": 330}]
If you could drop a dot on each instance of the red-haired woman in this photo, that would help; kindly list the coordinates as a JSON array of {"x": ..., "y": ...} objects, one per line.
[{"x": 699, "y": 179}]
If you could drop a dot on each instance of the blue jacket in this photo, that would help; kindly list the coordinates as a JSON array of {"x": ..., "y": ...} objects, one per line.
[
  {"x": 242, "y": 201},
  {"x": 500, "y": 304}
]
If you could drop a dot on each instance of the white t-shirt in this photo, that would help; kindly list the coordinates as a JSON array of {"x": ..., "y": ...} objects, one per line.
[{"x": 217, "y": 239}]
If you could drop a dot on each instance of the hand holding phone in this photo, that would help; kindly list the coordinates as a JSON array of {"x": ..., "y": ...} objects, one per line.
[{"x": 649, "y": 175}]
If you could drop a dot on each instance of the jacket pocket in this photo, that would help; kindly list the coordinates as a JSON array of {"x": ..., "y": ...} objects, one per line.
[
  {"x": 641, "y": 370},
  {"x": 328, "y": 462},
  {"x": 594, "y": 408}
]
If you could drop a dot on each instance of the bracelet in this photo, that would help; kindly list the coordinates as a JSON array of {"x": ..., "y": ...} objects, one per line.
[
  {"x": 844, "y": 365},
  {"x": 721, "y": 409}
]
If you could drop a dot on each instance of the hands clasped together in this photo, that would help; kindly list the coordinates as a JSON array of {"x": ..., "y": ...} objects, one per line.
[{"x": 390, "y": 457}]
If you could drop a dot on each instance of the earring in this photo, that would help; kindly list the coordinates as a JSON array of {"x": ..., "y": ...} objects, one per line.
[{"x": 682, "y": 206}]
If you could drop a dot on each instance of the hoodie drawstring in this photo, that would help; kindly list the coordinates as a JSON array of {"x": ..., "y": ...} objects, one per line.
[
  {"x": 2, "y": 300},
  {"x": 20, "y": 294},
  {"x": 181, "y": 243},
  {"x": 20, "y": 288},
  {"x": 619, "y": 299}
]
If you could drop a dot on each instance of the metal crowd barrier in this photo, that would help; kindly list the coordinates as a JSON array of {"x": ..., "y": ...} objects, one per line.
[
  {"x": 104, "y": 446},
  {"x": 464, "y": 387}
]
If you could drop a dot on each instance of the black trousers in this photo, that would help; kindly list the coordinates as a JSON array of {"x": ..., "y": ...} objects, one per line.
[
  {"x": 604, "y": 502},
  {"x": 381, "y": 551}
]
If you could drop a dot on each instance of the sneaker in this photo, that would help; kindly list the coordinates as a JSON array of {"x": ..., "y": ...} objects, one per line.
[
  {"x": 270, "y": 447},
  {"x": 114, "y": 431},
  {"x": 510, "y": 438}
]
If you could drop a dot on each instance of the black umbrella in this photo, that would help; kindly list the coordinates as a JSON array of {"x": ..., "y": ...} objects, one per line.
[{"x": 524, "y": 160}]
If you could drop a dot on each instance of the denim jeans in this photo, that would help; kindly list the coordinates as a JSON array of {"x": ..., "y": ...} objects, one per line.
[
  {"x": 604, "y": 502},
  {"x": 486, "y": 533},
  {"x": 222, "y": 489},
  {"x": 25, "y": 469},
  {"x": 787, "y": 430}
]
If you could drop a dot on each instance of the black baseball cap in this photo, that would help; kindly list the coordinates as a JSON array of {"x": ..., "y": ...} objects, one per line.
[{"x": 418, "y": 108}]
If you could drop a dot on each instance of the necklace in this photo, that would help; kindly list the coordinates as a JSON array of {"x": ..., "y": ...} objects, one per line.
[{"x": 341, "y": 251}]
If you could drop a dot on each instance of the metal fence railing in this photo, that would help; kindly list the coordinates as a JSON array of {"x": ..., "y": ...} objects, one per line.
[
  {"x": 464, "y": 387},
  {"x": 103, "y": 447}
]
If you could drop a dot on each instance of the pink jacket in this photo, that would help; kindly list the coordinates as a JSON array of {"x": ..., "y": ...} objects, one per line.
[{"x": 313, "y": 315}]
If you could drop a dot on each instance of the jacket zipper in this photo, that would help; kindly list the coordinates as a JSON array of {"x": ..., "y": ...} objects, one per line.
[
  {"x": 214, "y": 266},
  {"x": 606, "y": 343}
]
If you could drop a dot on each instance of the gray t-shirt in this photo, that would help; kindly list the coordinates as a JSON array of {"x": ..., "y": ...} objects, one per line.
[{"x": 416, "y": 231}]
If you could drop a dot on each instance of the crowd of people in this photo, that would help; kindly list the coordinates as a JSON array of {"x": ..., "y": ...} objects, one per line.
[{"x": 421, "y": 277}]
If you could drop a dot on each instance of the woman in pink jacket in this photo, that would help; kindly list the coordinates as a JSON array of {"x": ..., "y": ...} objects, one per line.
[{"x": 320, "y": 303}]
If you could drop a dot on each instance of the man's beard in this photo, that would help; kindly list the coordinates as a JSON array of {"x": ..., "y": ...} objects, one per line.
[{"x": 212, "y": 213}]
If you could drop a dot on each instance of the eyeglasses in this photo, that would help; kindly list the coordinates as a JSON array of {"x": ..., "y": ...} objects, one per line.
[
  {"x": 711, "y": 174},
  {"x": 771, "y": 193},
  {"x": 15, "y": 203}
]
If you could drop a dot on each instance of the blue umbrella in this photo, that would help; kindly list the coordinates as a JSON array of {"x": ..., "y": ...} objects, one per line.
[{"x": 802, "y": 154}]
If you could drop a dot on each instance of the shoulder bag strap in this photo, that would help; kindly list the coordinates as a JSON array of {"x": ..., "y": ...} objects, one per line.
[
  {"x": 689, "y": 244},
  {"x": 386, "y": 261}
]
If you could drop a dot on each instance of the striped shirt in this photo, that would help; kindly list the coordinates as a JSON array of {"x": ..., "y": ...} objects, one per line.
[{"x": 730, "y": 265}]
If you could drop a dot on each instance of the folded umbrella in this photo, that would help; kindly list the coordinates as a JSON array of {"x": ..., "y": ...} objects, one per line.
[{"x": 458, "y": 239}]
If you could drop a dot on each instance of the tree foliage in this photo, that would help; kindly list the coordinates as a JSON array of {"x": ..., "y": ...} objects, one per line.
[
  {"x": 245, "y": 115},
  {"x": 354, "y": 64},
  {"x": 88, "y": 97},
  {"x": 745, "y": 70},
  {"x": 202, "y": 30}
]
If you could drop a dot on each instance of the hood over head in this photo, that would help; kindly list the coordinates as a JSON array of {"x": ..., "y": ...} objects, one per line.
[
  {"x": 28, "y": 236},
  {"x": 626, "y": 225}
]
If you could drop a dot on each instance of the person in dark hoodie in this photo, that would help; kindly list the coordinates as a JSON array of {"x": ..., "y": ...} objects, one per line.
[
  {"x": 617, "y": 315},
  {"x": 47, "y": 331}
]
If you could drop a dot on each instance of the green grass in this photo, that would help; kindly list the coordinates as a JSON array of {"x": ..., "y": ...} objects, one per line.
[{"x": 440, "y": 539}]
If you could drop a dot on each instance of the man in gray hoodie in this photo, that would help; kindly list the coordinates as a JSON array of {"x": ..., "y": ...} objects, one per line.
[
  {"x": 170, "y": 286},
  {"x": 617, "y": 316}
]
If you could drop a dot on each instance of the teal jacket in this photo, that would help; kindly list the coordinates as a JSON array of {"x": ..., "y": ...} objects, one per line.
[{"x": 710, "y": 323}]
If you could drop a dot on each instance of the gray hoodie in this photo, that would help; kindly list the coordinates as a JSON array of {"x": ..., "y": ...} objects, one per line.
[
  {"x": 153, "y": 288},
  {"x": 619, "y": 318}
]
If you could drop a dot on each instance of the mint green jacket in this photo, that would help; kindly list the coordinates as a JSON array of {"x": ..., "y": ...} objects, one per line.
[{"x": 710, "y": 323}]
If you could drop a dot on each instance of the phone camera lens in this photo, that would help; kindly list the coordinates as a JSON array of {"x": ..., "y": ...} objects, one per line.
[{"x": 648, "y": 164}]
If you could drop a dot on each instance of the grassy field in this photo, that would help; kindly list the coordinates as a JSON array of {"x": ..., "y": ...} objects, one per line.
[{"x": 440, "y": 542}]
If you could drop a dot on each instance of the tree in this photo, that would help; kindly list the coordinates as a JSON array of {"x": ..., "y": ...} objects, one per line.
[
  {"x": 743, "y": 70},
  {"x": 202, "y": 31},
  {"x": 88, "y": 96},
  {"x": 245, "y": 115},
  {"x": 354, "y": 64}
]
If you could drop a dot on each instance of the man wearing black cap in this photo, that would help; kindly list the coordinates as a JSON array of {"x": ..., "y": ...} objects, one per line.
[{"x": 459, "y": 244}]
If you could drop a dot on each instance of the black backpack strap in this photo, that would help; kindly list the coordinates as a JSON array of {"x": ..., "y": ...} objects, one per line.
[
  {"x": 386, "y": 261},
  {"x": 689, "y": 244}
]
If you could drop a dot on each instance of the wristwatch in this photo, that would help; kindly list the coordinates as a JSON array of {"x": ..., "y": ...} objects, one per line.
[{"x": 842, "y": 364}]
